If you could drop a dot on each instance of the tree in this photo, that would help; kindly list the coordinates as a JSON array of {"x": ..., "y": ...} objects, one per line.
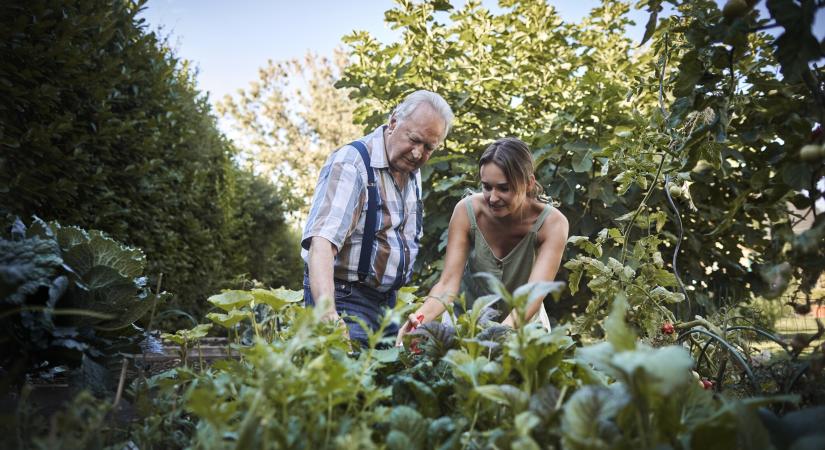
[
  {"x": 612, "y": 127},
  {"x": 103, "y": 127},
  {"x": 289, "y": 120}
]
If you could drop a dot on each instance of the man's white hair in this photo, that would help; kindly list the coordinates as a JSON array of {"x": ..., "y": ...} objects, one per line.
[{"x": 403, "y": 110}]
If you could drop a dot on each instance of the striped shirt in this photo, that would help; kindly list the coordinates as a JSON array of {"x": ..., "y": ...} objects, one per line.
[{"x": 339, "y": 209}]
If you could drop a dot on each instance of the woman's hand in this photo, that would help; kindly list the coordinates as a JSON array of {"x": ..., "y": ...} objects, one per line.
[
  {"x": 414, "y": 321},
  {"x": 509, "y": 321}
]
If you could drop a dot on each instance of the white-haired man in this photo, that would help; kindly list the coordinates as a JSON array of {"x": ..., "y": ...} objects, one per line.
[{"x": 365, "y": 223}]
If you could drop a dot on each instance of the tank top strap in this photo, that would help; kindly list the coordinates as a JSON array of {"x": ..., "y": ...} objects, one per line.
[
  {"x": 470, "y": 213},
  {"x": 540, "y": 220}
]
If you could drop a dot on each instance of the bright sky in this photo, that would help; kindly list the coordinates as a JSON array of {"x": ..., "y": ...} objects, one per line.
[{"x": 229, "y": 41}]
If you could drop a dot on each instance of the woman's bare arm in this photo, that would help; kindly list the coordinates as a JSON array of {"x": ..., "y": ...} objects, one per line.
[{"x": 446, "y": 289}]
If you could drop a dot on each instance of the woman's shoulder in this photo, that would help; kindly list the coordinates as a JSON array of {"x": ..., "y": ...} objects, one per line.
[
  {"x": 473, "y": 199},
  {"x": 555, "y": 223},
  {"x": 463, "y": 209}
]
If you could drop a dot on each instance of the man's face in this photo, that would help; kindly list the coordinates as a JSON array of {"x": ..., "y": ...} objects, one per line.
[{"x": 411, "y": 141}]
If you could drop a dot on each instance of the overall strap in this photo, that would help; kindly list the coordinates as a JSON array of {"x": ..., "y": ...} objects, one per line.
[
  {"x": 419, "y": 208},
  {"x": 372, "y": 213},
  {"x": 419, "y": 225}
]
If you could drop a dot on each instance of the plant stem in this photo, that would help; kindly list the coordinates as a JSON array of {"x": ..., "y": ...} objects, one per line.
[
  {"x": 329, "y": 420},
  {"x": 120, "y": 383},
  {"x": 473, "y": 424},
  {"x": 200, "y": 357},
  {"x": 626, "y": 233},
  {"x": 155, "y": 302}
]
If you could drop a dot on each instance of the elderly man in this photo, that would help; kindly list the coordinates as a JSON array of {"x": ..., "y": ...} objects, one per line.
[{"x": 365, "y": 224}]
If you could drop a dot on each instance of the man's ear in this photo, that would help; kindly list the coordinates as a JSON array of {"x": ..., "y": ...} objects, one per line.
[{"x": 393, "y": 122}]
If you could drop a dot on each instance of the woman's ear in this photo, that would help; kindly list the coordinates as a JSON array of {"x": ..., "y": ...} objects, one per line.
[{"x": 531, "y": 187}]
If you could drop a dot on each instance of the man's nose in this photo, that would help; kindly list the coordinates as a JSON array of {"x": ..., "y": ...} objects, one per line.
[{"x": 417, "y": 151}]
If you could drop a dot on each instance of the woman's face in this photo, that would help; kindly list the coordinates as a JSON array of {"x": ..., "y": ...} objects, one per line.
[{"x": 499, "y": 194}]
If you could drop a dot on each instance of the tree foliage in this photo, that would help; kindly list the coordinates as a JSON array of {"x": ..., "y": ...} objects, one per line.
[
  {"x": 612, "y": 124},
  {"x": 103, "y": 127},
  {"x": 289, "y": 120}
]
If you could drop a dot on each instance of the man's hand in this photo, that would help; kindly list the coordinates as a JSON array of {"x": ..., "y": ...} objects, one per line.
[{"x": 331, "y": 315}]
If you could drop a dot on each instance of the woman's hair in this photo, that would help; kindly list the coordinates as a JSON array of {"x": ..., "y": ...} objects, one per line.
[
  {"x": 513, "y": 157},
  {"x": 431, "y": 98}
]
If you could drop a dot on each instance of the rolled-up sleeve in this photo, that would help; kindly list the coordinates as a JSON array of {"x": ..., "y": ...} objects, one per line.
[{"x": 336, "y": 204}]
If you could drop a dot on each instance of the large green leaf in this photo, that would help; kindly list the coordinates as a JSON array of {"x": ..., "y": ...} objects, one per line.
[
  {"x": 230, "y": 319},
  {"x": 582, "y": 155},
  {"x": 100, "y": 250},
  {"x": 276, "y": 298},
  {"x": 505, "y": 394},
  {"x": 587, "y": 421},
  {"x": 664, "y": 369},
  {"x": 618, "y": 333},
  {"x": 231, "y": 299}
]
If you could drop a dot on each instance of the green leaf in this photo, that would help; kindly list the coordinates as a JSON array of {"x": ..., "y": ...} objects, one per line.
[
  {"x": 573, "y": 279},
  {"x": 650, "y": 27},
  {"x": 182, "y": 337},
  {"x": 797, "y": 175},
  {"x": 690, "y": 71},
  {"x": 525, "y": 422},
  {"x": 587, "y": 420},
  {"x": 797, "y": 46},
  {"x": 407, "y": 294},
  {"x": 468, "y": 368},
  {"x": 537, "y": 291},
  {"x": 26, "y": 266},
  {"x": 447, "y": 183},
  {"x": 618, "y": 333},
  {"x": 544, "y": 401},
  {"x": 583, "y": 242},
  {"x": 408, "y": 421},
  {"x": 505, "y": 394},
  {"x": 100, "y": 250},
  {"x": 276, "y": 298},
  {"x": 665, "y": 369},
  {"x": 582, "y": 155},
  {"x": 496, "y": 286},
  {"x": 386, "y": 355},
  {"x": 229, "y": 320},
  {"x": 229, "y": 299}
]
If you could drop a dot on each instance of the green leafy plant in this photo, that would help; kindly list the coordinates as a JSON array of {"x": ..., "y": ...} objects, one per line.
[
  {"x": 186, "y": 338},
  {"x": 643, "y": 279},
  {"x": 70, "y": 290}
]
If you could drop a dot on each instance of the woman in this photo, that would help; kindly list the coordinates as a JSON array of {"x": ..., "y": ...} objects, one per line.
[{"x": 507, "y": 230}]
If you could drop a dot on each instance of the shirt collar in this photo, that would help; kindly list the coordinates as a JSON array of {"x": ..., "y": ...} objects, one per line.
[{"x": 378, "y": 153}]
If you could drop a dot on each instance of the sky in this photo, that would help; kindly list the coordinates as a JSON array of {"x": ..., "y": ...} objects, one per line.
[{"x": 229, "y": 41}]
